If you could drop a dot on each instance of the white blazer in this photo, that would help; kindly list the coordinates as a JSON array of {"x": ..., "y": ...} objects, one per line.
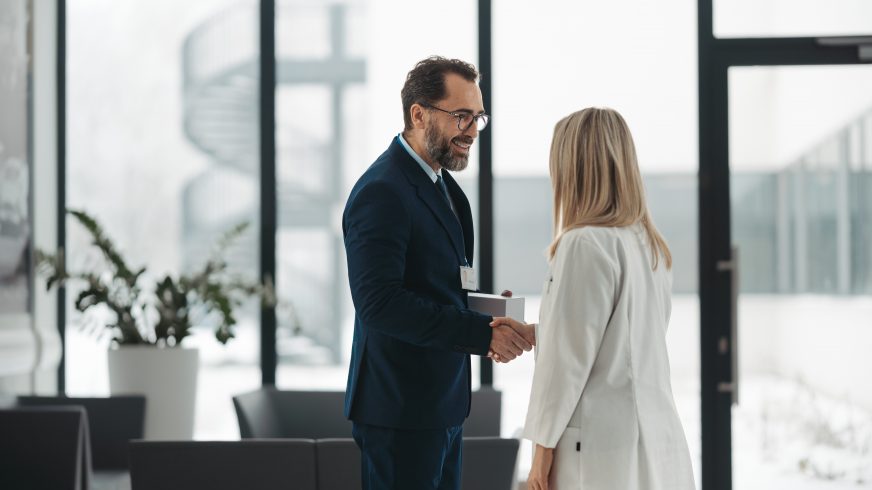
[{"x": 601, "y": 392}]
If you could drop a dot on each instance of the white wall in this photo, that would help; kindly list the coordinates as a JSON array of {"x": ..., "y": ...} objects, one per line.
[
  {"x": 30, "y": 346},
  {"x": 17, "y": 343},
  {"x": 45, "y": 151}
]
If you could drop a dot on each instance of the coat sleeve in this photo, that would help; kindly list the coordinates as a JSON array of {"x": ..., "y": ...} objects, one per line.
[
  {"x": 581, "y": 299},
  {"x": 377, "y": 228}
]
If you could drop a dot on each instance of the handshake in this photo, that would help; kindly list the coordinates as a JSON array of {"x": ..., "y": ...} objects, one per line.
[{"x": 510, "y": 338}]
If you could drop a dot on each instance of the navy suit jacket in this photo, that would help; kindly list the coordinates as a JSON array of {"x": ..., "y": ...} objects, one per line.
[{"x": 410, "y": 363}]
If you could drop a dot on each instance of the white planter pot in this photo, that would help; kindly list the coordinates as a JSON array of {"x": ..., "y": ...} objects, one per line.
[{"x": 168, "y": 379}]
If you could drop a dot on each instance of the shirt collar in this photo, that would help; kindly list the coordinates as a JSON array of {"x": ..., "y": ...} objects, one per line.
[{"x": 427, "y": 168}]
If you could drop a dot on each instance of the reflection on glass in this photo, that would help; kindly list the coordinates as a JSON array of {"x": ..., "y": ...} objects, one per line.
[{"x": 801, "y": 223}]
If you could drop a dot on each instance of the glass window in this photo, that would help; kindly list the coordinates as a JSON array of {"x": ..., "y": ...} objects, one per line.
[
  {"x": 799, "y": 152},
  {"x": 640, "y": 59},
  {"x": 791, "y": 18},
  {"x": 338, "y": 107},
  {"x": 163, "y": 150},
  {"x": 800, "y": 164}
]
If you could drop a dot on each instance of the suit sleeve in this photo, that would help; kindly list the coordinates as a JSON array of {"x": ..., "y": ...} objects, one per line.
[
  {"x": 581, "y": 297},
  {"x": 377, "y": 229}
]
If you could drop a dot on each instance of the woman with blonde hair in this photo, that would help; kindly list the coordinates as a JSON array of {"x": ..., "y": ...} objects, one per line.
[{"x": 601, "y": 413}]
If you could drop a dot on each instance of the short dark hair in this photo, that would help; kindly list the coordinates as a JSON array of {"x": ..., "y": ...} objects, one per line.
[{"x": 425, "y": 84}]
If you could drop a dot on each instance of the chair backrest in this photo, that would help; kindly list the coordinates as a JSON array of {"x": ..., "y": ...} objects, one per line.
[
  {"x": 223, "y": 465},
  {"x": 272, "y": 413},
  {"x": 484, "y": 415},
  {"x": 44, "y": 447},
  {"x": 338, "y": 464},
  {"x": 256, "y": 414},
  {"x": 489, "y": 462},
  {"x": 312, "y": 414},
  {"x": 112, "y": 422}
]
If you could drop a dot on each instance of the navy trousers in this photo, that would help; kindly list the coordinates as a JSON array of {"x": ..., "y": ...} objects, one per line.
[{"x": 399, "y": 459}]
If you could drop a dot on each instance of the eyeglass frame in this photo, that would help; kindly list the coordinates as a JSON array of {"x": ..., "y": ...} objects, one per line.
[{"x": 462, "y": 114}]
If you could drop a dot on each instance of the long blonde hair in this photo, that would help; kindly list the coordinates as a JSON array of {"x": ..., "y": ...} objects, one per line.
[{"x": 595, "y": 178}]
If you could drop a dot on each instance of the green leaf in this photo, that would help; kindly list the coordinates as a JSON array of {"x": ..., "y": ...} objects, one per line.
[{"x": 166, "y": 314}]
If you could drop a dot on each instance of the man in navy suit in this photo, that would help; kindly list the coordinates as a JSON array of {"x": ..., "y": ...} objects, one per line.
[{"x": 409, "y": 243}]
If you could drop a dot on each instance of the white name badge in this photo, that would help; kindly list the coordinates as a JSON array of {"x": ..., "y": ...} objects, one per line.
[{"x": 468, "y": 279}]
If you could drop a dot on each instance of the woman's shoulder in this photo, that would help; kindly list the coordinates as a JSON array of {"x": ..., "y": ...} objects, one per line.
[
  {"x": 602, "y": 238},
  {"x": 593, "y": 242}
]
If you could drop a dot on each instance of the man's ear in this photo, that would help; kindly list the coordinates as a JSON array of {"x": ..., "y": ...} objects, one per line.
[{"x": 417, "y": 114}]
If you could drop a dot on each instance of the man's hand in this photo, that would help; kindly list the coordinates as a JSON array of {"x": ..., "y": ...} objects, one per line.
[
  {"x": 506, "y": 344},
  {"x": 526, "y": 333},
  {"x": 526, "y": 330}
]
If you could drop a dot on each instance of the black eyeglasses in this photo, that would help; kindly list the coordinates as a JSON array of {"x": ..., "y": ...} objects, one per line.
[{"x": 465, "y": 119}]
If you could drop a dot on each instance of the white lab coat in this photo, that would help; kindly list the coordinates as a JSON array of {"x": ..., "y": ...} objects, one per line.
[{"x": 601, "y": 392}]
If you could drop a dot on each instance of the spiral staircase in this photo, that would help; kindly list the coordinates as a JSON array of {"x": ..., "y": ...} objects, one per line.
[{"x": 221, "y": 118}]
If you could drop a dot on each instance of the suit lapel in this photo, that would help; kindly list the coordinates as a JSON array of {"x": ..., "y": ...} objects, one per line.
[
  {"x": 428, "y": 193},
  {"x": 464, "y": 213},
  {"x": 431, "y": 197}
]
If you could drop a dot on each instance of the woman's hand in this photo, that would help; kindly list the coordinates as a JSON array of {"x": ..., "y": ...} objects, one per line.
[{"x": 543, "y": 458}]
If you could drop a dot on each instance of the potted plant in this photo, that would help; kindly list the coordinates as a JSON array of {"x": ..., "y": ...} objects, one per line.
[{"x": 148, "y": 322}]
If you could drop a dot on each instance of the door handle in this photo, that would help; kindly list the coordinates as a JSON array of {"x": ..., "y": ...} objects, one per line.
[{"x": 730, "y": 345}]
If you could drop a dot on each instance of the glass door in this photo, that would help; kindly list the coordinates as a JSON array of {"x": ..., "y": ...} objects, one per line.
[{"x": 800, "y": 159}]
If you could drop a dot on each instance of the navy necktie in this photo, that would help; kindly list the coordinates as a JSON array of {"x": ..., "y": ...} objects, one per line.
[{"x": 440, "y": 184}]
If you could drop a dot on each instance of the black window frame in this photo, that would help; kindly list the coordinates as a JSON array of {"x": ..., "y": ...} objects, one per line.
[{"x": 717, "y": 357}]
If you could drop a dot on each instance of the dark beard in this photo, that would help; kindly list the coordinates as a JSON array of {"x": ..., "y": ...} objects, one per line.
[{"x": 439, "y": 150}]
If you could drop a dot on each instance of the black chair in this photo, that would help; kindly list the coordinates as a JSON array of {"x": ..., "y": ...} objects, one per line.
[
  {"x": 44, "y": 447},
  {"x": 485, "y": 414},
  {"x": 256, "y": 414},
  {"x": 489, "y": 463},
  {"x": 224, "y": 465},
  {"x": 113, "y": 422},
  {"x": 338, "y": 464},
  {"x": 272, "y": 413}
]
